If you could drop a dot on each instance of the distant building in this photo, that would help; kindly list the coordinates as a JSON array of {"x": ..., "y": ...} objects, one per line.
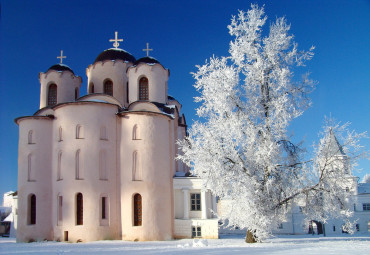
[
  {"x": 8, "y": 214},
  {"x": 102, "y": 166}
]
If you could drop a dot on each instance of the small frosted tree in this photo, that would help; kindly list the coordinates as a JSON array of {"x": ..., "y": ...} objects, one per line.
[{"x": 242, "y": 149}]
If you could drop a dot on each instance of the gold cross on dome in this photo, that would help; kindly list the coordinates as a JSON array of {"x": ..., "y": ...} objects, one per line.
[
  {"x": 147, "y": 49},
  {"x": 116, "y": 40},
  {"x": 61, "y": 57}
]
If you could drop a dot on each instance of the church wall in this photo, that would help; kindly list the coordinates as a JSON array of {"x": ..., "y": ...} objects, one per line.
[
  {"x": 157, "y": 77},
  {"x": 66, "y": 84},
  {"x": 154, "y": 184},
  {"x": 91, "y": 118},
  {"x": 113, "y": 70},
  {"x": 34, "y": 165}
]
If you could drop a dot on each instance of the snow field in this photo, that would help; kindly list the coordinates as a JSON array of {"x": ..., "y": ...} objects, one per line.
[{"x": 287, "y": 245}]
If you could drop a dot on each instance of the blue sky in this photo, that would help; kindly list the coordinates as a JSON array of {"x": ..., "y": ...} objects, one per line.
[{"x": 183, "y": 34}]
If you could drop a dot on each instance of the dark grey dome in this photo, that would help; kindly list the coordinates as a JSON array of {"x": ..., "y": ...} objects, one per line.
[
  {"x": 60, "y": 68},
  {"x": 114, "y": 54},
  {"x": 148, "y": 60}
]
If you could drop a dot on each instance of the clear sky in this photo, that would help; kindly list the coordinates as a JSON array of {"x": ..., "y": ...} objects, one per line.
[{"x": 183, "y": 34}]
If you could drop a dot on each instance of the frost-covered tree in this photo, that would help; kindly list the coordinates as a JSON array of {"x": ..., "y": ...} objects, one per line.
[{"x": 242, "y": 149}]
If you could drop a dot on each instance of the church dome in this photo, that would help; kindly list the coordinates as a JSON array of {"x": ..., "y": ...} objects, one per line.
[
  {"x": 148, "y": 60},
  {"x": 114, "y": 54},
  {"x": 60, "y": 68}
]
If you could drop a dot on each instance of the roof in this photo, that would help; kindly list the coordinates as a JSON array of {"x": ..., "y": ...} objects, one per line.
[
  {"x": 148, "y": 60},
  {"x": 333, "y": 146},
  {"x": 60, "y": 68},
  {"x": 115, "y": 54},
  {"x": 364, "y": 188}
]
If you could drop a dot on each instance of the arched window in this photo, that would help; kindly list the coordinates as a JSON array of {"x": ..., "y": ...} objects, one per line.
[
  {"x": 77, "y": 167},
  {"x": 29, "y": 168},
  {"x": 30, "y": 137},
  {"x": 52, "y": 95},
  {"x": 77, "y": 93},
  {"x": 108, "y": 87},
  {"x": 102, "y": 166},
  {"x": 143, "y": 89},
  {"x": 127, "y": 91},
  {"x": 60, "y": 133},
  {"x": 32, "y": 209},
  {"x": 79, "y": 132},
  {"x": 135, "y": 133},
  {"x": 79, "y": 209},
  {"x": 59, "y": 167},
  {"x": 137, "y": 210},
  {"x": 136, "y": 169},
  {"x": 92, "y": 89},
  {"x": 103, "y": 133}
]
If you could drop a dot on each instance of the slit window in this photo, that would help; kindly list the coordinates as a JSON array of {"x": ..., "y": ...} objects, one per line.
[
  {"x": 52, "y": 94},
  {"x": 137, "y": 210}
]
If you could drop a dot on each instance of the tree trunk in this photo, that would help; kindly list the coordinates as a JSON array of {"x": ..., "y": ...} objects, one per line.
[{"x": 250, "y": 237}]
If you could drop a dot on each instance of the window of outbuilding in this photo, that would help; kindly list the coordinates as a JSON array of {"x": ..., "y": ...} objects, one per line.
[
  {"x": 143, "y": 89},
  {"x": 52, "y": 94},
  {"x": 195, "y": 202},
  {"x": 137, "y": 210},
  {"x": 196, "y": 232},
  {"x": 366, "y": 207},
  {"x": 108, "y": 87}
]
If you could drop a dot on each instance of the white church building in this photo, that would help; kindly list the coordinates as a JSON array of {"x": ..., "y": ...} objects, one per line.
[{"x": 102, "y": 166}]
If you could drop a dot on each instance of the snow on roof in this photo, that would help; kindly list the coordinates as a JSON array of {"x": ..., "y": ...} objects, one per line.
[
  {"x": 364, "y": 188},
  {"x": 9, "y": 218}
]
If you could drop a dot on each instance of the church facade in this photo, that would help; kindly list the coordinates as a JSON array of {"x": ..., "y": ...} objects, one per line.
[{"x": 102, "y": 166}]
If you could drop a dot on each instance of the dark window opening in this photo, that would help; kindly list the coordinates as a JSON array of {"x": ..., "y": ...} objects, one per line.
[
  {"x": 52, "y": 95},
  {"x": 196, "y": 232},
  {"x": 32, "y": 210},
  {"x": 137, "y": 210},
  {"x": 79, "y": 209},
  {"x": 103, "y": 208},
  {"x": 143, "y": 89},
  {"x": 108, "y": 87}
]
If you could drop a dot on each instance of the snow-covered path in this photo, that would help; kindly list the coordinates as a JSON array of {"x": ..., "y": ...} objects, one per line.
[{"x": 287, "y": 245}]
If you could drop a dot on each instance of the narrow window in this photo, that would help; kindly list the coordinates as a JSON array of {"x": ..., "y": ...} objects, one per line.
[
  {"x": 357, "y": 227},
  {"x": 108, "y": 87},
  {"x": 29, "y": 168},
  {"x": 136, "y": 169},
  {"x": 60, "y": 210},
  {"x": 52, "y": 95},
  {"x": 333, "y": 228},
  {"x": 102, "y": 166},
  {"x": 77, "y": 93},
  {"x": 103, "y": 133},
  {"x": 280, "y": 226},
  {"x": 79, "y": 209},
  {"x": 59, "y": 167},
  {"x": 92, "y": 89},
  {"x": 77, "y": 165},
  {"x": 30, "y": 137},
  {"x": 137, "y": 210},
  {"x": 127, "y": 91},
  {"x": 143, "y": 89},
  {"x": 79, "y": 132},
  {"x": 103, "y": 208},
  {"x": 135, "y": 133},
  {"x": 60, "y": 133},
  {"x": 32, "y": 210},
  {"x": 195, "y": 202},
  {"x": 196, "y": 232}
]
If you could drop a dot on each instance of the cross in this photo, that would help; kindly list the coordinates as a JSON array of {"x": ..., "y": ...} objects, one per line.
[
  {"x": 116, "y": 40},
  {"x": 147, "y": 49},
  {"x": 61, "y": 57}
]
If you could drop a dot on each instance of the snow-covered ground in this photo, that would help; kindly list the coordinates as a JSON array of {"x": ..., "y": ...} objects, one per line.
[{"x": 234, "y": 245}]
